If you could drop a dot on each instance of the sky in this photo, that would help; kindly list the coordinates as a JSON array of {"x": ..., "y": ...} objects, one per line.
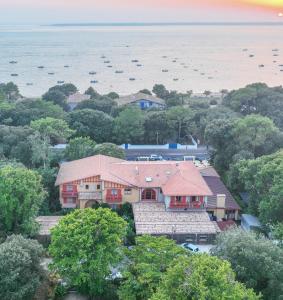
[{"x": 73, "y": 11}]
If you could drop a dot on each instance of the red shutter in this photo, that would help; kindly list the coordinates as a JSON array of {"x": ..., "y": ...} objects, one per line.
[{"x": 64, "y": 187}]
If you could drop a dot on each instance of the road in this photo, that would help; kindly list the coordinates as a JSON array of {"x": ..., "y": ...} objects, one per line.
[{"x": 168, "y": 154}]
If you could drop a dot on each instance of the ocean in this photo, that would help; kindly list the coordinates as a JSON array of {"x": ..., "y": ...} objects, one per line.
[{"x": 182, "y": 57}]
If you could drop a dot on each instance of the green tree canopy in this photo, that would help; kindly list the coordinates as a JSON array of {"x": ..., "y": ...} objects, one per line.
[
  {"x": 14, "y": 145},
  {"x": 180, "y": 120},
  {"x": 55, "y": 129},
  {"x": 80, "y": 147},
  {"x": 109, "y": 149},
  {"x": 27, "y": 110},
  {"x": 20, "y": 269},
  {"x": 160, "y": 91},
  {"x": 85, "y": 245},
  {"x": 257, "y": 261},
  {"x": 258, "y": 98},
  {"x": 201, "y": 277},
  {"x": 20, "y": 199},
  {"x": 128, "y": 126},
  {"x": 148, "y": 261},
  {"x": 95, "y": 124},
  {"x": 262, "y": 179},
  {"x": 257, "y": 134}
]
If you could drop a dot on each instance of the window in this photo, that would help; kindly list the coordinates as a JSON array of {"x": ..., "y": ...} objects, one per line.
[
  {"x": 69, "y": 188},
  {"x": 71, "y": 200},
  {"x": 178, "y": 198},
  {"x": 114, "y": 192},
  {"x": 98, "y": 187},
  {"x": 194, "y": 198},
  {"x": 128, "y": 191},
  {"x": 86, "y": 186}
]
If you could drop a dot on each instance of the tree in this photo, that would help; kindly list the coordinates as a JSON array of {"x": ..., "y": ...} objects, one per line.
[
  {"x": 109, "y": 150},
  {"x": 85, "y": 245},
  {"x": 55, "y": 129},
  {"x": 13, "y": 143},
  {"x": 180, "y": 120},
  {"x": 21, "y": 196},
  {"x": 148, "y": 261},
  {"x": 29, "y": 110},
  {"x": 128, "y": 126},
  {"x": 261, "y": 178},
  {"x": 156, "y": 128},
  {"x": 257, "y": 134},
  {"x": 10, "y": 91},
  {"x": 201, "y": 277},
  {"x": 95, "y": 124},
  {"x": 51, "y": 201},
  {"x": 57, "y": 97},
  {"x": 257, "y": 98},
  {"x": 92, "y": 92},
  {"x": 146, "y": 91},
  {"x": 40, "y": 149},
  {"x": 257, "y": 261},
  {"x": 207, "y": 93},
  {"x": 113, "y": 95},
  {"x": 160, "y": 91},
  {"x": 20, "y": 269},
  {"x": 80, "y": 147}
]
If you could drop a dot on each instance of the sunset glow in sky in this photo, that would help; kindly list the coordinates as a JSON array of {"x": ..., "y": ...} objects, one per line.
[{"x": 46, "y": 11}]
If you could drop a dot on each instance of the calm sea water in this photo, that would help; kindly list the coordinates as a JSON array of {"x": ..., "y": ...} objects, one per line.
[{"x": 200, "y": 58}]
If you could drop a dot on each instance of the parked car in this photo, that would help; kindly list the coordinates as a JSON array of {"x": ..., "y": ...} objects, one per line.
[
  {"x": 155, "y": 157},
  {"x": 190, "y": 247},
  {"x": 143, "y": 158}
]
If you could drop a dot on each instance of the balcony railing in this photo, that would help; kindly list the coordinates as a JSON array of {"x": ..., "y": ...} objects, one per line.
[
  {"x": 70, "y": 194},
  {"x": 69, "y": 205},
  {"x": 180, "y": 205},
  {"x": 114, "y": 199},
  {"x": 90, "y": 196}
]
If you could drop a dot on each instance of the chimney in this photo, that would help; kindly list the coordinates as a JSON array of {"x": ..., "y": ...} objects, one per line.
[
  {"x": 220, "y": 200},
  {"x": 137, "y": 170}
]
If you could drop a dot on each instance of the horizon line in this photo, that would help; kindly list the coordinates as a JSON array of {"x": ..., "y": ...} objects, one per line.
[{"x": 264, "y": 23}]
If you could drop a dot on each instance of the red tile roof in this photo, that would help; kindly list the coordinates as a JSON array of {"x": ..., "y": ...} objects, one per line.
[{"x": 175, "y": 178}]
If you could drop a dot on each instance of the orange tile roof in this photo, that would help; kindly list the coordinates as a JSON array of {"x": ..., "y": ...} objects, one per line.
[{"x": 175, "y": 178}]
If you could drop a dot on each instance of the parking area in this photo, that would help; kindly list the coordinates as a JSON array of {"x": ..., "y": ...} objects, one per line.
[{"x": 169, "y": 154}]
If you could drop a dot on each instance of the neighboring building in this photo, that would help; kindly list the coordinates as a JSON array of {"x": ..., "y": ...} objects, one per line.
[
  {"x": 250, "y": 222},
  {"x": 221, "y": 205},
  {"x": 143, "y": 101},
  {"x": 74, "y": 99}
]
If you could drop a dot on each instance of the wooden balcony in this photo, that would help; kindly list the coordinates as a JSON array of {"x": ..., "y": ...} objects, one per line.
[
  {"x": 72, "y": 194},
  {"x": 182, "y": 205},
  {"x": 114, "y": 199},
  {"x": 90, "y": 195}
]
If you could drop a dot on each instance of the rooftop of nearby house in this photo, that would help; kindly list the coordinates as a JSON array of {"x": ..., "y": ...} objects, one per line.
[
  {"x": 152, "y": 218},
  {"x": 46, "y": 223},
  {"x": 124, "y": 100},
  {"x": 175, "y": 178},
  {"x": 217, "y": 187},
  {"x": 77, "y": 98}
]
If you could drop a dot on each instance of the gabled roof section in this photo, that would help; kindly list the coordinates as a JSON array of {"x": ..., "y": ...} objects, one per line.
[
  {"x": 175, "y": 178},
  {"x": 84, "y": 168},
  {"x": 124, "y": 100},
  {"x": 77, "y": 98}
]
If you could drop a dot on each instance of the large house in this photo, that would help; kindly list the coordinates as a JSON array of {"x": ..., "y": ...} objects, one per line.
[
  {"x": 168, "y": 198},
  {"x": 104, "y": 179},
  {"x": 143, "y": 101}
]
